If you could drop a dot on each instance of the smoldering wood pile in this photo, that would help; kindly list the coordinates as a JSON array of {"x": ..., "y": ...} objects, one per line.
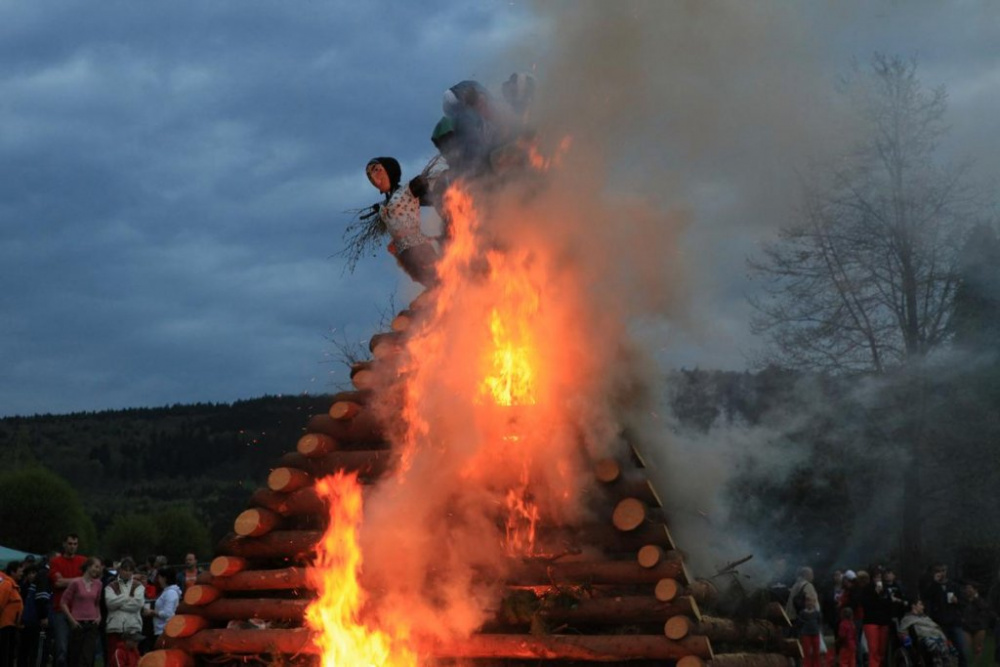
[{"x": 634, "y": 604}]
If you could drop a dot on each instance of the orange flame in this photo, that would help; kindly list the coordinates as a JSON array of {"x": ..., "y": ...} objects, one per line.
[
  {"x": 510, "y": 379},
  {"x": 335, "y": 616}
]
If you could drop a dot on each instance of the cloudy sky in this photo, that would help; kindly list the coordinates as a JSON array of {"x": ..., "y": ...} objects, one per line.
[{"x": 175, "y": 175}]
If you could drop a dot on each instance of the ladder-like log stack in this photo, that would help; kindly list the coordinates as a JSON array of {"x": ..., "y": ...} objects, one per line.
[{"x": 642, "y": 607}]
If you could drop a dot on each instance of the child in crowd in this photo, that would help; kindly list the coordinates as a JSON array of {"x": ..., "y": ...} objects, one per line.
[
  {"x": 810, "y": 626},
  {"x": 126, "y": 653},
  {"x": 847, "y": 638}
]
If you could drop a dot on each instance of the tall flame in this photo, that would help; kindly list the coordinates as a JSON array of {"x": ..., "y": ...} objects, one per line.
[
  {"x": 335, "y": 616},
  {"x": 510, "y": 379}
]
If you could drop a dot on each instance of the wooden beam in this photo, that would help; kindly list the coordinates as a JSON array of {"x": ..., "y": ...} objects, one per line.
[
  {"x": 603, "y": 648},
  {"x": 595, "y": 572},
  {"x": 266, "y": 609},
  {"x": 255, "y": 522},
  {"x": 167, "y": 658},
  {"x": 280, "y": 579},
  {"x": 293, "y": 544},
  {"x": 622, "y": 609},
  {"x": 370, "y": 464}
]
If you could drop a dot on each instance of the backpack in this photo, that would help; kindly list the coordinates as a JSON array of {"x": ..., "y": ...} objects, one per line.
[{"x": 799, "y": 601}]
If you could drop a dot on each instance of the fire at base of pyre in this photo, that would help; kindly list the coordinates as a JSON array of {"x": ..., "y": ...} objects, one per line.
[{"x": 492, "y": 406}]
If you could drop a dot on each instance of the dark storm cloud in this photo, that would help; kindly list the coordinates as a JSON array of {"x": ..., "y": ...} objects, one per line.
[
  {"x": 175, "y": 175},
  {"x": 175, "y": 181}
]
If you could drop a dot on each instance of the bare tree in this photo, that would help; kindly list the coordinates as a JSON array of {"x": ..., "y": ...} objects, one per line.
[{"x": 865, "y": 280}]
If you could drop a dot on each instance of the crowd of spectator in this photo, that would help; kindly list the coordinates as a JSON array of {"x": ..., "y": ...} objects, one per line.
[
  {"x": 69, "y": 610},
  {"x": 868, "y": 615}
]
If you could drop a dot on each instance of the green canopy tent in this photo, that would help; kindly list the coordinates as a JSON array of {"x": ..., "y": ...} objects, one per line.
[{"x": 7, "y": 555}]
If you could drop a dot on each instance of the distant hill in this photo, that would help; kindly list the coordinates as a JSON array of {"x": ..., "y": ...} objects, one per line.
[{"x": 211, "y": 456}]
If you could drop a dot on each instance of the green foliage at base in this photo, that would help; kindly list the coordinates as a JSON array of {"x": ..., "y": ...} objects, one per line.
[{"x": 38, "y": 508}]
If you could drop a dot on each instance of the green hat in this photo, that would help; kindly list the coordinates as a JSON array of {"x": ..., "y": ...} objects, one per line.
[{"x": 444, "y": 127}]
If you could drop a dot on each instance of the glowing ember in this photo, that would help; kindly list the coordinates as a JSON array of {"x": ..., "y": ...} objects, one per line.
[{"x": 335, "y": 616}]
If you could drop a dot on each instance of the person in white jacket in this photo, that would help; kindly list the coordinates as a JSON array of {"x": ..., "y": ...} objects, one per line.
[
  {"x": 166, "y": 605},
  {"x": 123, "y": 598}
]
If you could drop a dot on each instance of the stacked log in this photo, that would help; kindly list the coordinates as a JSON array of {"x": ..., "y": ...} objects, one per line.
[{"x": 639, "y": 579}]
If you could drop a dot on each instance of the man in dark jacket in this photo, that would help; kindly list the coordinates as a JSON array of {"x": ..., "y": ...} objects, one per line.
[{"x": 942, "y": 600}]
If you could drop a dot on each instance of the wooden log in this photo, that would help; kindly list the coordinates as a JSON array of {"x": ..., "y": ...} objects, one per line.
[
  {"x": 167, "y": 658},
  {"x": 726, "y": 630},
  {"x": 403, "y": 321},
  {"x": 792, "y": 648},
  {"x": 393, "y": 338},
  {"x": 362, "y": 430},
  {"x": 704, "y": 591},
  {"x": 634, "y": 486},
  {"x": 370, "y": 464},
  {"x": 266, "y": 641},
  {"x": 595, "y": 572},
  {"x": 293, "y": 544},
  {"x": 359, "y": 366},
  {"x": 597, "y": 648},
  {"x": 286, "y": 479},
  {"x": 667, "y": 589},
  {"x": 364, "y": 380},
  {"x": 607, "y": 470},
  {"x": 623, "y": 609},
  {"x": 629, "y": 514},
  {"x": 701, "y": 590},
  {"x": 227, "y": 566},
  {"x": 741, "y": 660},
  {"x": 423, "y": 300},
  {"x": 601, "y": 648},
  {"x": 603, "y": 536},
  {"x": 304, "y": 502},
  {"x": 266, "y": 609},
  {"x": 616, "y": 482},
  {"x": 255, "y": 522},
  {"x": 354, "y": 396},
  {"x": 775, "y": 612},
  {"x": 315, "y": 444},
  {"x": 651, "y": 554},
  {"x": 185, "y": 625},
  {"x": 344, "y": 410},
  {"x": 385, "y": 350},
  {"x": 279, "y": 579},
  {"x": 201, "y": 594},
  {"x": 678, "y": 627}
]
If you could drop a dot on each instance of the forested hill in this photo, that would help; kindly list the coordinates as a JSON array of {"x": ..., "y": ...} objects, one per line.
[{"x": 210, "y": 456}]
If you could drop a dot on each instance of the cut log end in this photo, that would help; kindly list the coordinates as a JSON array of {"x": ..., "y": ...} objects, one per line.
[
  {"x": 286, "y": 479},
  {"x": 315, "y": 445},
  {"x": 677, "y": 627},
  {"x": 607, "y": 471},
  {"x": 650, "y": 555},
  {"x": 364, "y": 379},
  {"x": 691, "y": 661},
  {"x": 629, "y": 514},
  {"x": 227, "y": 566},
  {"x": 255, "y": 522},
  {"x": 344, "y": 410},
  {"x": 167, "y": 658},
  {"x": 201, "y": 594},
  {"x": 384, "y": 350},
  {"x": 184, "y": 625},
  {"x": 402, "y": 322},
  {"x": 667, "y": 590}
]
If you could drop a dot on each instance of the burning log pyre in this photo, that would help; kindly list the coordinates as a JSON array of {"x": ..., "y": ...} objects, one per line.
[
  {"x": 574, "y": 571},
  {"x": 641, "y": 582}
]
